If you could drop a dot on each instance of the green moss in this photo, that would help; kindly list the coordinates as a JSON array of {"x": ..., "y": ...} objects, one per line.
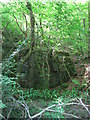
[{"x": 48, "y": 70}]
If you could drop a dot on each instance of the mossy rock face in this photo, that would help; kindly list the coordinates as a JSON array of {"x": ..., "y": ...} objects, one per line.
[
  {"x": 61, "y": 68},
  {"x": 46, "y": 70},
  {"x": 36, "y": 75}
]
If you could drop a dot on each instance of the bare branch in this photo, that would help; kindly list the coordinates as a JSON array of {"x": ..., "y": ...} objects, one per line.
[
  {"x": 9, "y": 113},
  {"x": 71, "y": 115},
  {"x": 84, "y": 106},
  {"x": 19, "y": 25},
  {"x": 26, "y": 108},
  {"x": 46, "y": 109},
  {"x": 2, "y": 116},
  {"x": 32, "y": 21},
  {"x": 50, "y": 108},
  {"x": 25, "y": 20}
]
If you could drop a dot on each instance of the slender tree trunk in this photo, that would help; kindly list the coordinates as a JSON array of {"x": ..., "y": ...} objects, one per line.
[
  {"x": 32, "y": 35},
  {"x": 32, "y": 21}
]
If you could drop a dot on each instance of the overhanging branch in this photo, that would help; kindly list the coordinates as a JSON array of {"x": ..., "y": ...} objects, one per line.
[{"x": 19, "y": 25}]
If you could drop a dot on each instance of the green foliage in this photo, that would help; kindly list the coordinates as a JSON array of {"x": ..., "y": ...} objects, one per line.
[
  {"x": 2, "y": 105},
  {"x": 62, "y": 25},
  {"x": 65, "y": 85},
  {"x": 76, "y": 82},
  {"x": 10, "y": 85},
  {"x": 80, "y": 86},
  {"x": 43, "y": 94}
]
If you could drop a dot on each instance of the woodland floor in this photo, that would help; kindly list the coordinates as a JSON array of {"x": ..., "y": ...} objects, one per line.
[{"x": 40, "y": 104}]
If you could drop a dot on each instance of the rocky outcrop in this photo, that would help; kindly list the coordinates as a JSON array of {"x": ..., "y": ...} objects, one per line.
[{"x": 46, "y": 69}]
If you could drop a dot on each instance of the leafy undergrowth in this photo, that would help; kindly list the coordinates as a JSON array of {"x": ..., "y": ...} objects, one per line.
[
  {"x": 54, "y": 103},
  {"x": 64, "y": 90},
  {"x": 39, "y": 100}
]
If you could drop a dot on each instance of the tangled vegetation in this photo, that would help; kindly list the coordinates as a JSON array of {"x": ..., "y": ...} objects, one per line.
[{"x": 45, "y": 60}]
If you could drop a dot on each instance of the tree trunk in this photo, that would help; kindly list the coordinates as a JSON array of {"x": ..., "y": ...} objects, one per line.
[{"x": 32, "y": 21}]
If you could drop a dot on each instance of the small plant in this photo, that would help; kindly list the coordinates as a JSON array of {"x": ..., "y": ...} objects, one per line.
[
  {"x": 80, "y": 86},
  {"x": 43, "y": 94},
  {"x": 76, "y": 82},
  {"x": 2, "y": 105}
]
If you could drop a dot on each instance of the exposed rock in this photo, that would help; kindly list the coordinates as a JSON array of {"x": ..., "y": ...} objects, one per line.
[{"x": 46, "y": 70}]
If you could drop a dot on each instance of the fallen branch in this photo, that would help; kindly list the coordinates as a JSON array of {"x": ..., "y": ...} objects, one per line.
[
  {"x": 84, "y": 106},
  {"x": 50, "y": 108},
  {"x": 9, "y": 113}
]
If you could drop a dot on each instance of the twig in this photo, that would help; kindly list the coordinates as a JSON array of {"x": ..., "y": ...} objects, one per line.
[
  {"x": 9, "y": 113},
  {"x": 2, "y": 116},
  {"x": 71, "y": 115},
  {"x": 38, "y": 114},
  {"x": 49, "y": 108},
  {"x": 19, "y": 25},
  {"x": 63, "y": 113},
  {"x": 25, "y": 20},
  {"x": 84, "y": 106},
  {"x": 26, "y": 108}
]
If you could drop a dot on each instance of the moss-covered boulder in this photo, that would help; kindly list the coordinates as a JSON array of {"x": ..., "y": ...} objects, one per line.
[
  {"x": 45, "y": 69},
  {"x": 61, "y": 68}
]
